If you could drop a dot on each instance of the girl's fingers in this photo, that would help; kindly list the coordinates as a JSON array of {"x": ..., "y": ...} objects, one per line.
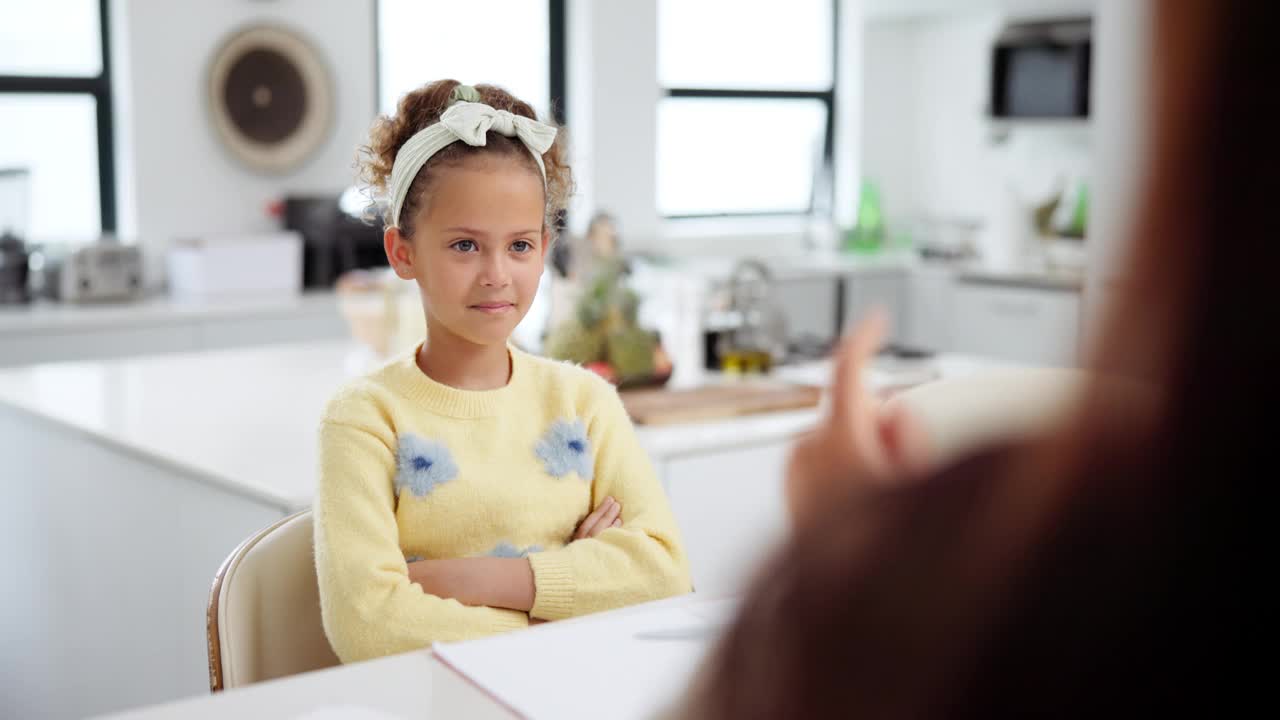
[
  {"x": 588, "y": 528},
  {"x": 590, "y": 521},
  {"x": 608, "y": 519}
]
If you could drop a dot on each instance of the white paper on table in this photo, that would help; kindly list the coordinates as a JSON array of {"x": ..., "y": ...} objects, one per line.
[
  {"x": 346, "y": 712},
  {"x": 594, "y": 666}
]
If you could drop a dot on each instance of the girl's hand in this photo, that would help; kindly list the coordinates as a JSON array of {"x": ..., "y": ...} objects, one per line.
[
  {"x": 859, "y": 443},
  {"x": 495, "y": 582},
  {"x": 607, "y": 515}
]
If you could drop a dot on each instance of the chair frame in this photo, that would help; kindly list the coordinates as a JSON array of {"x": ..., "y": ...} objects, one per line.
[{"x": 212, "y": 631}]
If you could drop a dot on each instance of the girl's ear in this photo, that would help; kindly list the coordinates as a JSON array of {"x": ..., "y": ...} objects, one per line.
[
  {"x": 546, "y": 240},
  {"x": 399, "y": 251}
]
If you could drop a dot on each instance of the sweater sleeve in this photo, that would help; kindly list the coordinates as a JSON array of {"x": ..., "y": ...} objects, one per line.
[
  {"x": 368, "y": 605},
  {"x": 640, "y": 561}
]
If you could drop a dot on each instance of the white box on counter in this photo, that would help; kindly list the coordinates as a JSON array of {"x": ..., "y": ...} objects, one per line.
[{"x": 236, "y": 265}]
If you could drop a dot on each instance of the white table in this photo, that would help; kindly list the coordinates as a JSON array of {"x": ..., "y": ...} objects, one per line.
[
  {"x": 400, "y": 685},
  {"x": 419, "y": 685}
]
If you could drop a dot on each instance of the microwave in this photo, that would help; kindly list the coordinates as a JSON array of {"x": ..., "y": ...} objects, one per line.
[{"x": 1040, "y": 70}]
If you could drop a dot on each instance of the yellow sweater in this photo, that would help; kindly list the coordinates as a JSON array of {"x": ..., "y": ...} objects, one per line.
[{"x": 411, "y": 468}]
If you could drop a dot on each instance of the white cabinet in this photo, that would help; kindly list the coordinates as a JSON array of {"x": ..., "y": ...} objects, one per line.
[
  {"x": 810, "y": 302},
  {"x": 109, "y": 555},
  {"x": 730, "y": 506},
  {"x": 1039, "y": 326},
  {"x": 866, "y": 289},
  {"x": 930, "y": 298},
  {"x": 809, "y": 305}
]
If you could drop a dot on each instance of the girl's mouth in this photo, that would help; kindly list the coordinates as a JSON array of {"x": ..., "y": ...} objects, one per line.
[{"x": 494, "y": 308}]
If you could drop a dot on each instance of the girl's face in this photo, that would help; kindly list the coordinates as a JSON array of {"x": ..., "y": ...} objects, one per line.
[{"x": 478, "y": 249}]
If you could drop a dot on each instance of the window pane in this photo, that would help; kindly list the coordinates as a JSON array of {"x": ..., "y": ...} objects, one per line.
[
  {"x": 505, "y": 43},
  {"x": 745, "y": 44},
  {"x": 50, "y": 37},
  {"x": 738, "y": 156},
  {"x": 55, "y": 139}
]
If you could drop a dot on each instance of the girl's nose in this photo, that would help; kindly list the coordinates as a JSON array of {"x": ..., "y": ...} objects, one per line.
[{"x": 494, "y": 273}]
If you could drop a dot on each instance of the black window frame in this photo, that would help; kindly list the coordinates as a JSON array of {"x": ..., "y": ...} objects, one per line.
[
  {"x": 827, "y": 97},
  {"x": 557, "y": 86},
  {"x": 99, "y": 88}
]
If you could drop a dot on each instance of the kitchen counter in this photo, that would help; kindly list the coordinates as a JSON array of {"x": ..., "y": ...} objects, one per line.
[
  {"x": 46, "y": 331},
  {"x": 50, "y": 316},
  {"x": 798, "y": 266},
  {"x": 933, "y": 304},
  {"x": 244, "y": 420},
  {"x": 790, "y": 267},
  {"x": 754, "y": 430},
  {"x": 1028, "y": 279},
  {"x": 138, "y": 476}
]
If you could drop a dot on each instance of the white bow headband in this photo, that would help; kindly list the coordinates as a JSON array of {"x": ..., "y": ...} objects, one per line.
[{"x": 468, "y": 122}]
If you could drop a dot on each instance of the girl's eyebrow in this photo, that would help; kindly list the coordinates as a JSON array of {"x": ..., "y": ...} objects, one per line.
[
  {"x": 473, "y": 231},
  {"x": 467, "y": 230}
]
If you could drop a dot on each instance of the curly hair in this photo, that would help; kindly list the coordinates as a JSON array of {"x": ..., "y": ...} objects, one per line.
[{"x": 423, "y": 107}]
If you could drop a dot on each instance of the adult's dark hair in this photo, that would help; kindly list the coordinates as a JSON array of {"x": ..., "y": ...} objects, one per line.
[{"x": 1100, "y": 568}]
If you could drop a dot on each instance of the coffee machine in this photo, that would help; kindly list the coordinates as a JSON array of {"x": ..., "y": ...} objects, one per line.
[
  {"x": 13, "y": 270},
  {"x": 336, "y": 238}
]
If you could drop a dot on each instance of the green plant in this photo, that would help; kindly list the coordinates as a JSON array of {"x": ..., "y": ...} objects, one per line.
[{"x": 604, "y": 327}]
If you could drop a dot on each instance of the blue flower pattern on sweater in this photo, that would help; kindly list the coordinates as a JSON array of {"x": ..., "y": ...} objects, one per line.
[
  {"x": 507, "y": 550},
  {"x": 564, "y": 449},
  {"x": 422, "y": 465}
]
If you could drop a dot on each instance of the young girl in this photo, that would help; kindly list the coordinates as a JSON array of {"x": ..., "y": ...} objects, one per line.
[{"x": 468, "y": 488}]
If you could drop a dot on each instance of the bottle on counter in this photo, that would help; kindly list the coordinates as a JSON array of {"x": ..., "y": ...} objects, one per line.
[{"x": 868, "y": 235}]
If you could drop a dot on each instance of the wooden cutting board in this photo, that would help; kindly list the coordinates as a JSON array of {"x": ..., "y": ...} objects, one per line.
[{"x": 667, "y": 407}]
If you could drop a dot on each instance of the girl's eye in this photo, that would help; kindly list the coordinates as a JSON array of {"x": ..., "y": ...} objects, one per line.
[
  {"x": 522, "y": 246},
  {"x": 464, "y": 245}
]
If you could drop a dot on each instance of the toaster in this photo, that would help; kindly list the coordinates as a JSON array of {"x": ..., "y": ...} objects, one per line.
[{"x": 102, "y": 271}]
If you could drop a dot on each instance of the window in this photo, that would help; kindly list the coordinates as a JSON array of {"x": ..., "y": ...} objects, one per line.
[
  {"x": 56, "y": 152},
  {"x": 746, "y": 124},
  {"x": 522, "y": 48}
]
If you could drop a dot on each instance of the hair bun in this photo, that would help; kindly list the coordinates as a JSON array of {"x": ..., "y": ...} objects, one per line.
[{"x": 464, "y": 93}]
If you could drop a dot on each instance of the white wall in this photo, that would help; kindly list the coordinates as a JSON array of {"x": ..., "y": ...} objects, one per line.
[
  {"x": 927, "y": 141},
  {"x": 175, "y": 178},
  {"x": 1122, "y": 59},
  {"x": 889, "y": 155},
  {"x": 613, "y": 73},
  {"x": 849, "y": 114}
]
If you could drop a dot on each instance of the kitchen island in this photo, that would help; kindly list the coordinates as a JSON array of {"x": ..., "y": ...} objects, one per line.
[{"x": 127, "y": 482}]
